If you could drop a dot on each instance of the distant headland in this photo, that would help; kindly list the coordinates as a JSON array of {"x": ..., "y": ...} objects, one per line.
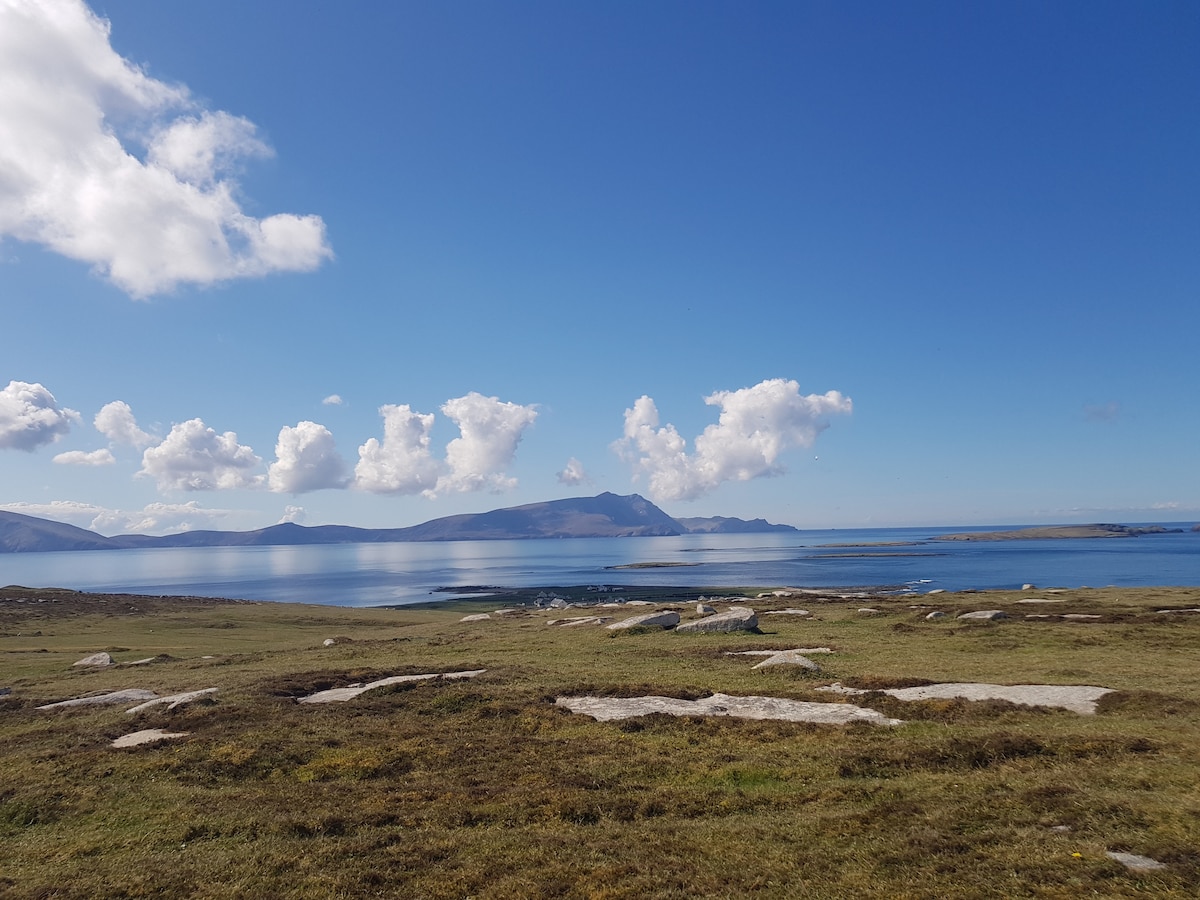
[{"x": 605, "y": 515}]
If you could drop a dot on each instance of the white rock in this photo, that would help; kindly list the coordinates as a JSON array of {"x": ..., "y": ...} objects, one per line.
[
  {"x": 340, "y": 695},
  {"x": 703, "y": 609},
  {"x": 667, "y": 619},
  {"x": 1077, "y": 698},
  {"x": 788, "y": 612},
  {"x": 477, "y": 617},
  {"x": 1081, "y": 617},
  {"x": 789, "y": 658},
  {"x": 734, "y": 620},
  {"x": 1134, "y": 862},
  {"x": 129, "y": 696},
  {"x": 149, "y": 736},
  {"x": 868, "y": 611},
  {"x": 936, "y": 614},
  {"x": 174, "y": 701},
  {"x": 990, "y": 615},
  {"x": 605, "y": 709},
  {"x": 1029, "y": 587},
  {"x": 96, "y": 660},
  {"x": 329, "y": 642},
  {"x": 937, "y": 591},
  {"x": 579, "y": 620},
  {"x": 1042, "y": 600}
]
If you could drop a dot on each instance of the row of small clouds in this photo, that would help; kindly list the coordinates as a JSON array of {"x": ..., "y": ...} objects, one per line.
[
  {"x": 756, "y": 426},
  {"x": 103, "y": 164},
  {"x": 151, "y": 519}
]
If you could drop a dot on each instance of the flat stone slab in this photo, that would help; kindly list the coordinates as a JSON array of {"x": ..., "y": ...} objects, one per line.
[
  {"x": 988, "y": 615},
  {"x": 807, "y": 651},
  {"x": 340, "y": 695},
  {"x": 1077, "y": 698},
  {"x": 606, "y": 709},
  {"x": 580, "y": 620},
  {"x": 1134, "y": 862},
  {"x": 735, "y": 620},
  {"x": 789, "y": 658},
  {"x": 1043, "y": 600},
  {"x": 129, "y": 696},
  {"x": 788, "y": 612},
  {"x": 667, "y": 619},
  {"x": 149, "y": 736},
  {"x": 174, "y": 701},
  {"x": 477, "y": 617}
]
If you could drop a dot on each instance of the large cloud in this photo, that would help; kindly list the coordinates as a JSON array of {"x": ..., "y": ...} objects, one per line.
[
  {"x": 306, "y": 460},
  {"x": 73, "y": 115},
  {"x": 195, "y": 458},
  {"x": 402, "y": 462},
  {"x": 756, "y": 425},
  {"x": 116, "y": 422},
  {"x": 491, "y": 430},
  {"x": 30, "y": 416}
]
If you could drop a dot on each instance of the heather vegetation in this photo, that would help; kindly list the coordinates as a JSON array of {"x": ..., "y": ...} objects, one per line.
[{"x": 485, "y": 788}]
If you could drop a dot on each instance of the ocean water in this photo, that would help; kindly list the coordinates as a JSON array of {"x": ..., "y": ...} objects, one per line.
[{"x": 899, "y": 559}]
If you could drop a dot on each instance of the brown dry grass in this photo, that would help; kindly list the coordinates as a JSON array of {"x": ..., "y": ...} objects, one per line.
[{"x": 484, "y": 788}]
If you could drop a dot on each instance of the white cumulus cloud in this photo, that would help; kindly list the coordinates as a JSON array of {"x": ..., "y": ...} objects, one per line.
[
  {"x": 491, "y": 430},
  {"x": 85, "y": 458},
  {"x": 74, "y": 116},
  {"x": 195, "y": 458},
  {"x": 30, "y": 416},
  {"x": 116, "y": 422},
  {"x": 306, "y": 460},
  {"x": 756, "y": 426},
  {"x": 402, "y": 463},
  {"x": 333, "y": 400},
  {"x": 293, "y": 515},
  {"x": 573, "y": 474}
]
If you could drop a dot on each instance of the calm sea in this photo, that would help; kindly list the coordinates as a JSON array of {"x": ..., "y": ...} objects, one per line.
[{"x": 378, "y": 574}]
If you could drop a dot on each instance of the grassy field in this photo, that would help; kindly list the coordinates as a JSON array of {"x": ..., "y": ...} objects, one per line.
[{"x": 484, "y": 788}]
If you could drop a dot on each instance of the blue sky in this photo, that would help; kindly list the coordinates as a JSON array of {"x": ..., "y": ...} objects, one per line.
[{"x": 832, "y": 264}]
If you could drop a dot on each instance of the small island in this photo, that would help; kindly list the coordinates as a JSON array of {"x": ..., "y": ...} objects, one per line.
[{"x": 1059, "y": 532}]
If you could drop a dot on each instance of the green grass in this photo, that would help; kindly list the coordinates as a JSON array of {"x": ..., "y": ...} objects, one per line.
[{"x": 483, "y": 788}]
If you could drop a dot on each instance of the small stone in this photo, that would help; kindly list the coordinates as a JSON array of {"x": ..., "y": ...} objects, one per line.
[
  {"x": 1134, "y": 862},
  {"x": 477, "y": 617},
  {"x": 937, "y": 591},
  {"x": 1029, "y": 587},
  {"x": 789, "y": 658},
  {"x": 703, "y": 609},
  {"x": 95, "y": 661},
  {"x": 936, "y": 614},
  {"x": 990, "y": 615},
  {"x": 868, "y": 611},
  {"x": 788, "y": 612},
  {"x": 1081, "y": 617},
  {"x": 149, "y": 736},
  {"x": 329, "y": 642}
]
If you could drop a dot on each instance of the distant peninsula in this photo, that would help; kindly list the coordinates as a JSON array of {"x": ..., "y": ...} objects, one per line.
[
  {"x": 1058, "y": 532},
  {"x": 605, "y": 515}
]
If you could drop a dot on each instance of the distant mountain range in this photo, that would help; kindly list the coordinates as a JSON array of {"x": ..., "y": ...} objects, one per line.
[{"x": 606, "y": 515}]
